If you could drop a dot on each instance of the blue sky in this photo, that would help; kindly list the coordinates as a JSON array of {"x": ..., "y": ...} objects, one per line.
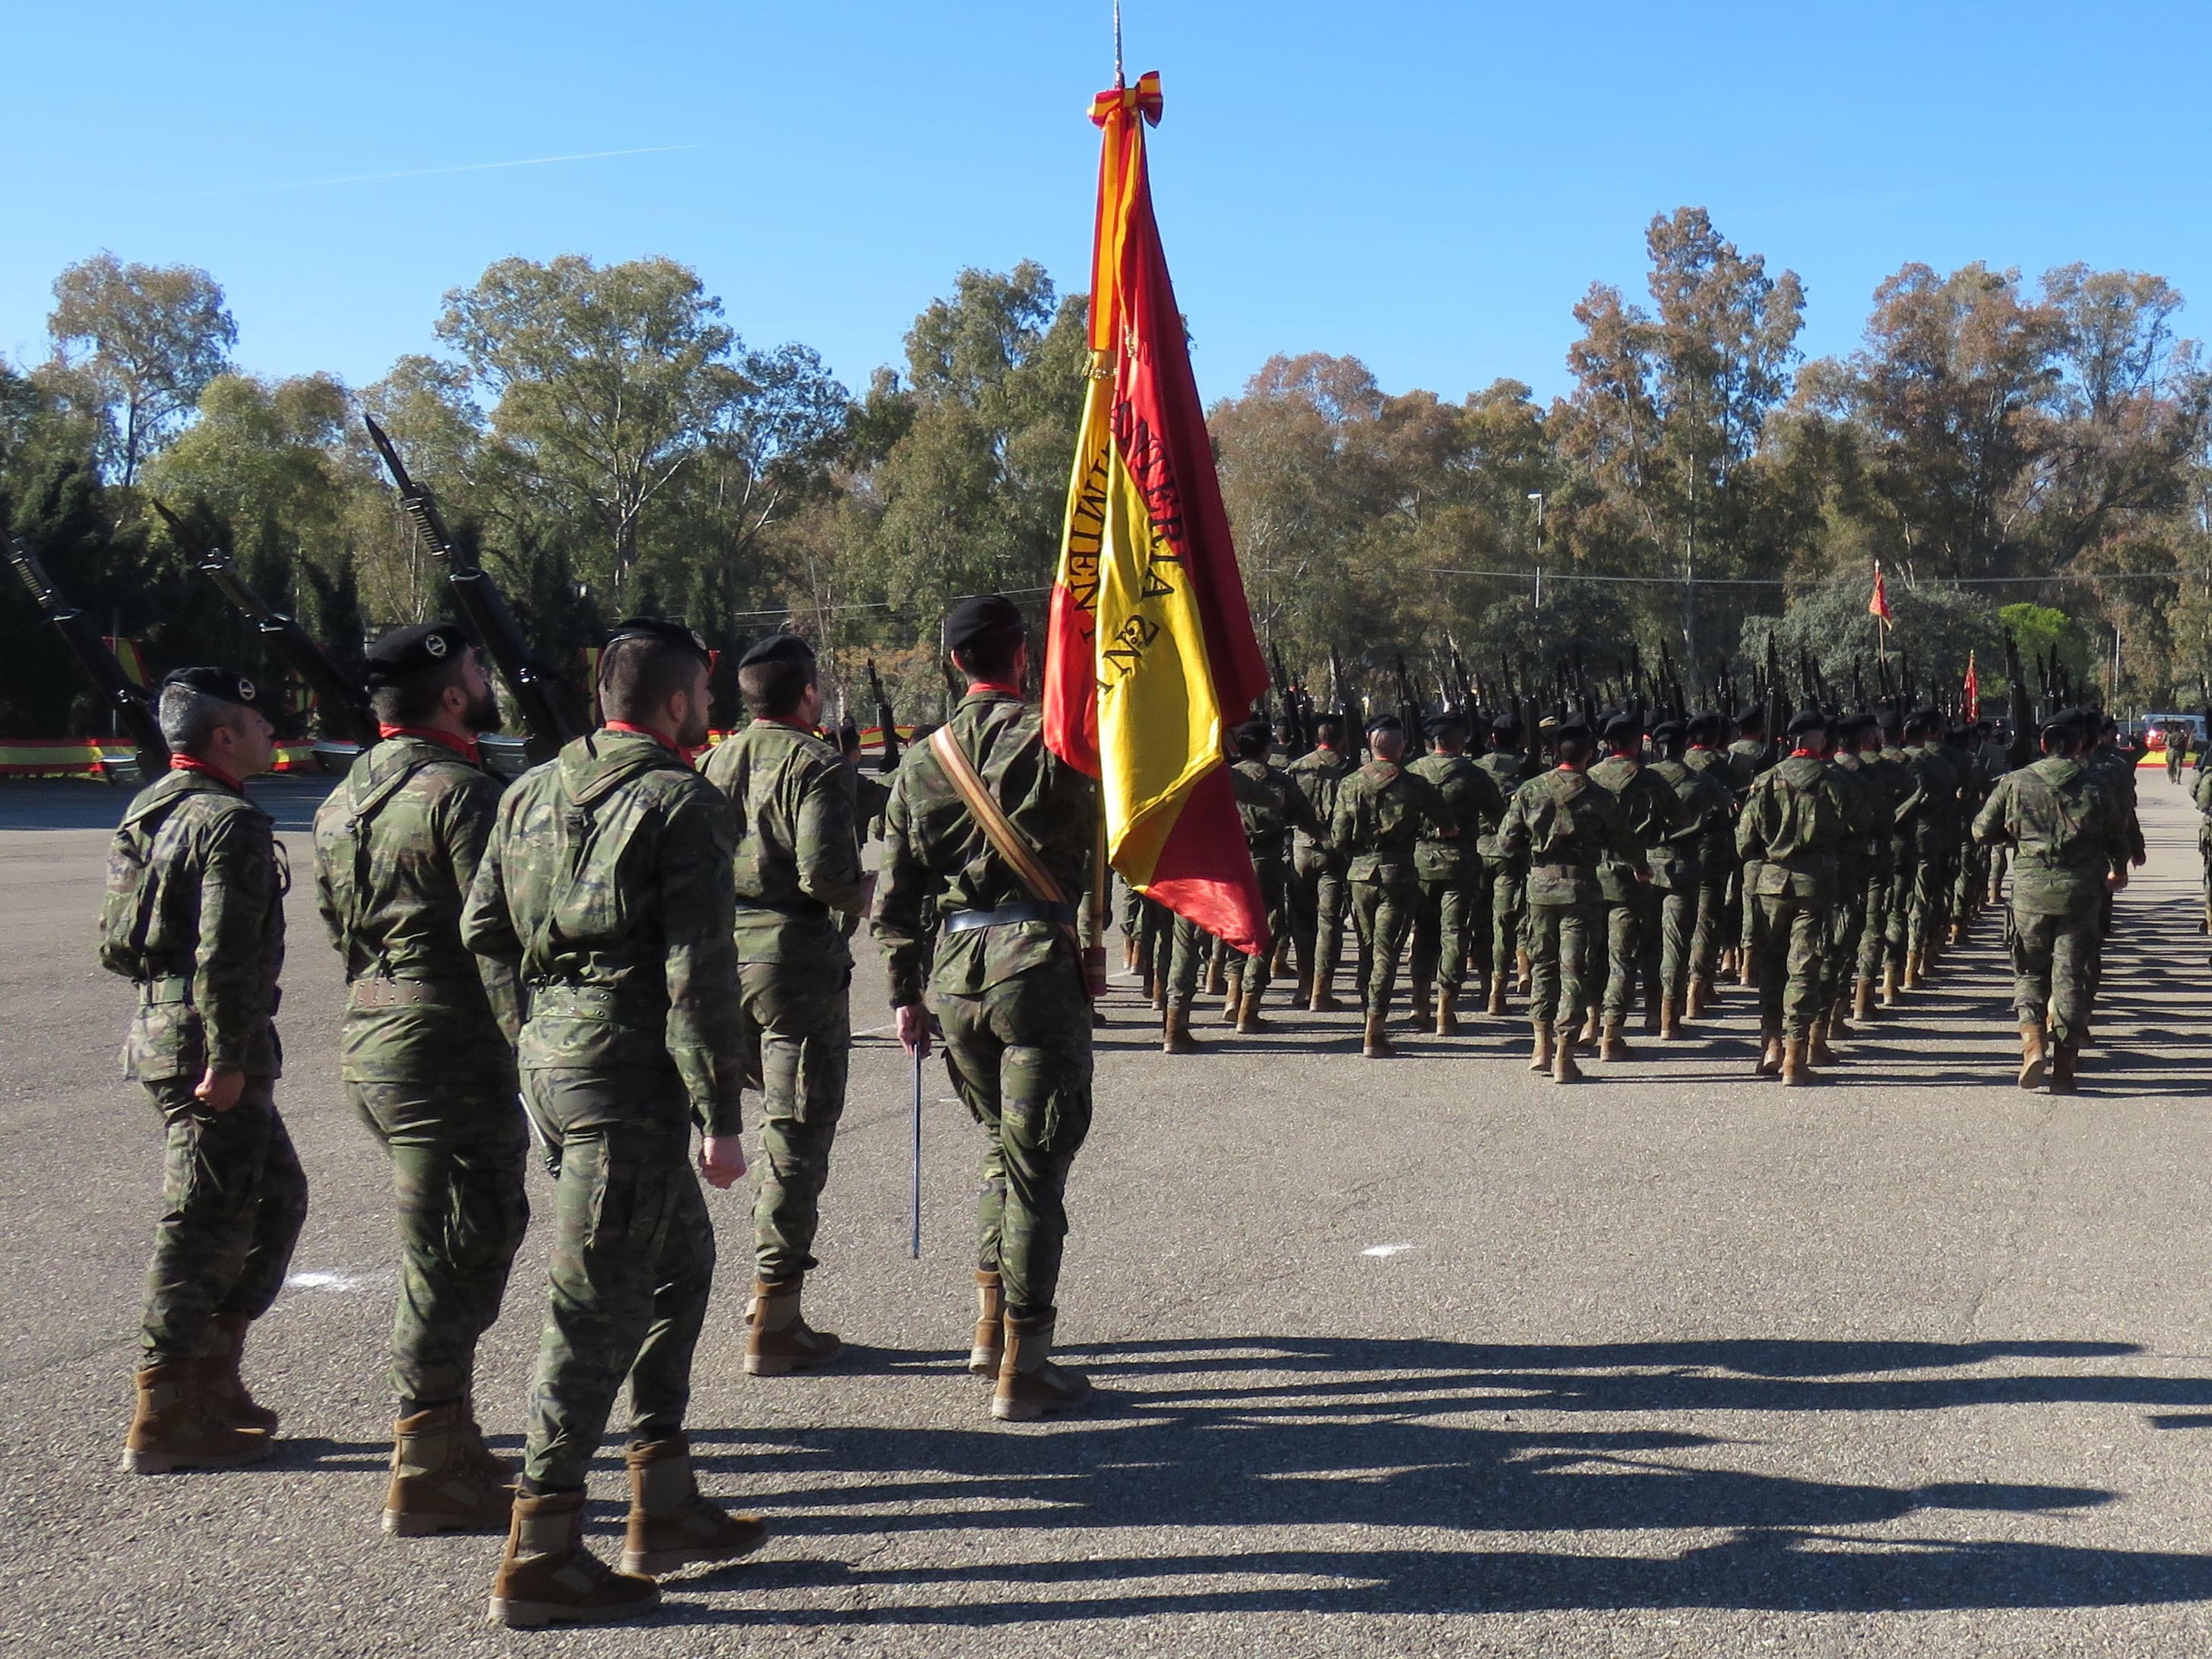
[{"x": 1428, "y": 186}]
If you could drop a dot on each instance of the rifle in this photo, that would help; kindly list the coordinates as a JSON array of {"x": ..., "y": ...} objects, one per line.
[
  {"x": 1409, "y": 708},
  {"x": 484, "y": 613},
  {"x": 888, "y": 761},
  {"x": 124, "y": 697},
  {"x": 1292, "y": 715},
  {"x": 341, "y": 703},
  {"x": 2021, "y": 750}
]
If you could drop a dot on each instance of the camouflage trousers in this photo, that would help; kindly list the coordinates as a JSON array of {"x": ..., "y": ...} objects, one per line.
[
  {"x": 1632, "y": 947},
  {"x": 1445, "y": 926},
  {"x": 1708, "y": 935},
  {"x": 1318, "y": 900},
  {"x": 1682, "y": 913},
  {"x": 1563, "y": 940},
  {"x": 1788, "y": 946},
  {"x": 2054, "y": 968},
  {"x": 1385, "y": 910},
  {"x": 1748, "y": 905},
  {"x": 633, "y": 1263},
  {"x": 1928, "y": 903},
  {"x": 1509, "y": 912},
  {"x": 1846, "y": 924},
  {"x": 456, "y": 1160},
  {"x": 803, "y": 1012},
  {"x": 1872, "y": 947},
  {"x": 1190, "y": 949},
  {"x": 232, "y": 1200},
  {"x": 1251, "y": 975},
  {"x": 1020, "y": 1056}
]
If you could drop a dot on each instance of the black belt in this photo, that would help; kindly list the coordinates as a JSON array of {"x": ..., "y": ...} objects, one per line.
[{"x": 961, "y": 921}]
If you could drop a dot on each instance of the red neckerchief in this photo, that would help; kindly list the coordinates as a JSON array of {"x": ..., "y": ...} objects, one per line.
[
  {"x": 467, "y": 748},
  {"x": 1807, "y": 753},
  {"x": 1013, "y": 691},
  {"x": 194, "y": 764},
  {"x": 635, "y": 731}
]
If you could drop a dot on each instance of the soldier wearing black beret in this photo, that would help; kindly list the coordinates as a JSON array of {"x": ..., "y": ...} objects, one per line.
[{"x": 1451, "y": 918}]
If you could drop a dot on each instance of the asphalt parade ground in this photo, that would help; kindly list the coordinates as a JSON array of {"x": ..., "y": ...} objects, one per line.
[{"x": 1424, "y": 1356}]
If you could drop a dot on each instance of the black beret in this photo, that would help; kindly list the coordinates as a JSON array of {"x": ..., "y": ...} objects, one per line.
[
  {"x": 1708, "y": 721},
  {"x": 1851, "y": 724},
  {"x": 1445, "y": 725},
  {"x": 1806, "y": 721},
  {"x": 984, "y": 618},
  {"x": 1752, "y": 713},
  {"x": 1573, "y": 728},
  {"x": 1505, "y": 729},
  {"x": 1622, "y": 724},
  {"x": 1386, "y": 723},
  {"x": 223, "y": 684},
  {"x": 1668, "y": 730},
  {"x": 668, "y": 633},
  {"x": 419, "y": 648},
  {"x": 778, "y": 648}
]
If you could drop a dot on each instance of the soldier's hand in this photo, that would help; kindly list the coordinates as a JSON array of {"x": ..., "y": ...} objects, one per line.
[
  {"x": 913, "y": 1029},
  {"x": 722, "y": 1160},
  {"x": 2117, "y": 880},
  {"x": 219, "y": 1091}
]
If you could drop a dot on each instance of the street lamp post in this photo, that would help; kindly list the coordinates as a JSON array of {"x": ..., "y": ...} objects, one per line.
[{"x": 1537, "y": 497}]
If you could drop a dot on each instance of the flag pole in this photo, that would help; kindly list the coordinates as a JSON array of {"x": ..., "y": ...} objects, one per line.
[{"x": 1118, "y": 81}]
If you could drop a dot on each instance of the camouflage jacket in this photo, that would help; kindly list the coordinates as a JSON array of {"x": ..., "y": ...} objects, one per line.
[
  {"x": 2203, "y": 796},
  {"x": 1565, "y": 826},
  {"x": 1270, "y": 806},
  {"x": 1658, "y": 824},
  {"x": 1319, "y": 774},
  {"x": 799, "y": 888},
  {"x": 2116, "y": 770},
  {"x": 397, "y": 847},
  {"x": 1794, "y": 826},
  {"x": 1507, "y": 770},
  {"x": 194, "y": 913},
  {"x": 1928, "y": 812},
  {"x": 1380, "y": 812},
  {"x": 937, "y": 861},
  {"x": 1471, "y": 796},
  {"x": 607, "y": 885},
  {"x": 1746, "y": 760},
  {"x": 2069, "y": 830},
  {"x": 1710, "y": 854},
  {"x": 1865, "y": 800},
  {"x": 1877, "y": 782}
]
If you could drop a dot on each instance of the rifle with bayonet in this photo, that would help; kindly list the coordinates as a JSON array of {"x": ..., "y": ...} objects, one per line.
[
  {"x": 130, "y": 701},
  {"x": 886, "y": 725},
  {"x": 341, "y": 703},
  {"x": 484, "y": 613}
]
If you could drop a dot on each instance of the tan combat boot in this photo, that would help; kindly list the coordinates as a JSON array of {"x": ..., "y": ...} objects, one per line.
[
  {"x": 1029, "y": 1385},
  {"x": 1375, "y": 1043},
  {"x": 1770, "y": 1051},
  {"x": 2063, "y": 1058},
  {"x": 1862, "y": 1001},
  {"x": 1564, "y": 1069},
  {"x": 1302, "y": 991},
  {"x": 1498, "y": 982},
  {"x": 1540, "y": 1057},
  {"x": 1701, "y": 995},
  {"x": 173, "y": 1430},
  {"x": 2031, "y": 1056},
  {"x": 1232, "y": 1000},
  {"x": 990, "y": 1344},
  {"x": 1892, "y": 986},
  {"x": 548, "y": 1578},
  {"x": 438, "y": 1485},
  {"x": 1670, "y": 1020},
  {"x": 780, "y": 1342},
  {"x": 1175, "y": 1034},
  {"x": 1611, "y": 1044},
  {"x": 1592, "y": 1026},
  {"x": 1746, "y": 976},
  {"x": 1796, "y": 1067},
  {"x": 1421, "y": 1014},
  {"x": 1447, "y": 1014},
  {"x": 1322, "y": 1000},
  {"x": 1248, "y": 1016},
  {"x": 670, "y": 1524},
  {"x": 1914, "y": 962},
  {"x": 223, "y": 1389},
  {"x": 1839, "y": 1018},
  {"x": 1817, "y": 1051},
  {"x": 1523, "y": 973},
  {"x": 1128, "y": 956},
  {"x": 1217, "y": 977}
]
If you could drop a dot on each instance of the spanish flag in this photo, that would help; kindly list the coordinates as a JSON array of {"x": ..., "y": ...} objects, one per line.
[{"x": 1149, "y": 647}]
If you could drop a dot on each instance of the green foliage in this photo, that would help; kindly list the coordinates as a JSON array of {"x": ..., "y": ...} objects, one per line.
[{"x": 135, "y": 345}]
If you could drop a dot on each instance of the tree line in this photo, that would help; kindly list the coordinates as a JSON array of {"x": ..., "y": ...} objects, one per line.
[{"x": 2021, "y": 456}]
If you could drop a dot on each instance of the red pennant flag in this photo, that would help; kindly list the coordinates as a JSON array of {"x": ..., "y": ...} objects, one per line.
[
  {"x": 1879, "y": 604},
  {"x": 1973, "y": 694}
]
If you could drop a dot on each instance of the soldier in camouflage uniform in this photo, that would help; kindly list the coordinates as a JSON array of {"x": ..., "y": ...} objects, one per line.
[
  {"x": 1656, "y": 825},
  {"x": 1867, "y": 820},
  {"x": 607, "y": 886},
  {"x": 1718, "y": 923},
  {"x": 1793, "y": 826},
  {"x": 1882, "y": 778},
  {"x": 194, "y": 916},
  {"x": 1750, "y": 754},
  {"x": 1318, "y": 894},
  {"x": 426, "y": 1056},
  {"x": 2203, "y": 795},
  {"x": 799, "y": 895},
  {"x": 1507, "y": 879},
  {"x": 1381, "y": 810},
  {"x": 1008, "y": 987},
  {"x": 1451, "y": 917},
  {"x": 1690, "y": 872},
  {"x": 1270, "y": 806},
  {"x": 2073, "y": 850},
  {"x": 1930, "y": 810},
  {"x": 1563, "y": 826}
]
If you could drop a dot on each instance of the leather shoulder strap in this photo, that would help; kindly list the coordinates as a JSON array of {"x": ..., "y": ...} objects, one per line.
[{"x": 1006, "y": 840}]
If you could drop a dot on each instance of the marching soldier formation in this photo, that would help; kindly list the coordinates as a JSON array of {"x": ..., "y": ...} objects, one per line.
[{"x": 602, "y": 956}]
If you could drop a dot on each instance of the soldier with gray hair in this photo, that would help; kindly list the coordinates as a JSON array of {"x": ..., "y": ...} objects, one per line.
[{"x": 194, "y": 917}]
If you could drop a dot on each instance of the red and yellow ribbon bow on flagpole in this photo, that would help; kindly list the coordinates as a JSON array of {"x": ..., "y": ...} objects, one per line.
[{"x": 1149, "y": 647}]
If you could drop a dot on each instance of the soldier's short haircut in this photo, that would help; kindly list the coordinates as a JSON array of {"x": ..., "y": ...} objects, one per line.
[
  {"x": 414, "y": 701},
  {"x": 991, "y": 658},
  {"x": 1572, "y": 747},
  {"x": 774, "y": 689},
  {"x": 1329, "y": 726},
  {"x": 189, "y": 718},
  {"x": 639, "y": 673}
]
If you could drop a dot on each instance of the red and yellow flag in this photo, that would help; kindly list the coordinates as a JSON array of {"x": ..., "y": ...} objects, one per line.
[
  {"x": 1879, "y": 604},
  {"x": 1971, "y": 696},
  {"x": 1149, "y": 648}
]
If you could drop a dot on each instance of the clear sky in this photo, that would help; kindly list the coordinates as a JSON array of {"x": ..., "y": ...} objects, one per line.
[{"x": 1429, "y": 186}]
